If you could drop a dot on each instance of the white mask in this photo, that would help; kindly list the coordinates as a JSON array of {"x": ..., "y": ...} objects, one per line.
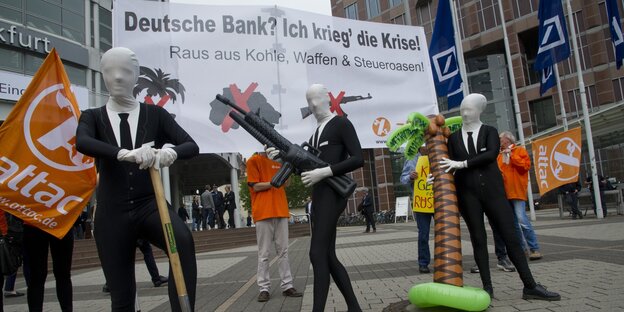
[
  {"x": 471, "y": 108},
  {"x": 120, "y": 71},
  {"x": 318, "y": 102}
]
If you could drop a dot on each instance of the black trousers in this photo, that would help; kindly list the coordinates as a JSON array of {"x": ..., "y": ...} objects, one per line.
[
  {"x": 220, "y": 212},
  {"x": 327, "y": 207},
  {"x": 231, "y": 218},
  {"x": 370, "y": 220},
  {"x": 116, "y": 232},
  {"x": 36, "y": 244},
  {"x": 148, "y": 257},
  {"x": 472, "y": 206}
]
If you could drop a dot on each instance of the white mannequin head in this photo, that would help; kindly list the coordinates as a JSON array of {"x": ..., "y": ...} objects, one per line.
[
  {"x": 120, "y": 70},
  {"x": 318, "y": 102},
  {"x": 471, "y": 108}
]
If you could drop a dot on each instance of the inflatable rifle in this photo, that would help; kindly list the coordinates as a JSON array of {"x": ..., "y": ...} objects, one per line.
[{"x": 296, "y": 159}]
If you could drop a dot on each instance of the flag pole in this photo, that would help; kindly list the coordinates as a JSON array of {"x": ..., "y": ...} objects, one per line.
[
  {"x": 588, "y": 130},
  {"x": 516, "y": 103},
  {"x": 564, "y": 114},
  {"x": 460, "y": 50}
]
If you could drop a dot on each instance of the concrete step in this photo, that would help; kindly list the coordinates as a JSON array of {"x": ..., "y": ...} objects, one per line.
[{"x": 85, "y": 252}]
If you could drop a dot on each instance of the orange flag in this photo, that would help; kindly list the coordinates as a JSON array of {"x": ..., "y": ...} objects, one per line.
[
  {"x": 557, "y": 159},
  {"x": 43, "y": 179}
]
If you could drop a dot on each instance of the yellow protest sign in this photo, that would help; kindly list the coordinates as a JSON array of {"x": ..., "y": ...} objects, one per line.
[{"x": 423, "y": 193}]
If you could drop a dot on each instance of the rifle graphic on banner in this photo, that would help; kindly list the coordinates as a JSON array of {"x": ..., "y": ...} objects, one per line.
[{"x": 305, "y": 111}]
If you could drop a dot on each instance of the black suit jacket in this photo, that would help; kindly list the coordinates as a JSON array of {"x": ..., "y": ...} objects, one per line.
[
  {"x": 123, "y": 182},
  {"x": 482, "y": 173}
]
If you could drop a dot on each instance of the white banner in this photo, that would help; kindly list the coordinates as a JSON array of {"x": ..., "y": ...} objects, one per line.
[
  {"x": 264, "y": 58},
  {"x": 12, "y": 86}
]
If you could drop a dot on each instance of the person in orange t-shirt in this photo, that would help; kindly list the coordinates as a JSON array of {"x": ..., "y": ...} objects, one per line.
[
  {"x": 514, "y": 163},
  {"x": 269, "y": 209}
]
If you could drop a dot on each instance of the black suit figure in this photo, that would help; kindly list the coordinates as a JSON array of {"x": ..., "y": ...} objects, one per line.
[
  {"x": 340, "y": 147},
  {"x": 480, "y": 190},
  {"x": 230, "y": 206},
  {"x": 125, "y": 197}
]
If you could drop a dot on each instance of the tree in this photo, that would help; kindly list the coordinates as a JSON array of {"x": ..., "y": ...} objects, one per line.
[{"x": 158, "y": 83}]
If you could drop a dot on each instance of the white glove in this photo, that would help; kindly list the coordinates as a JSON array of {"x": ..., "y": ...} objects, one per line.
[
  {"x": 272, "y": 152},
  {"x": 430, "y": 179},
  {"x": 312, "y": 177},
  {"x": 452, "y": 164},
  {"x": 165, "y": 157},
  {"x": 144, "y": 156}
]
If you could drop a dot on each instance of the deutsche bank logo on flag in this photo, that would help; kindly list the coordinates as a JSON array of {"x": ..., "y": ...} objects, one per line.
[
  {"x": 547, "y": 79},
  {"x": 553, "y": 35},
  {"x": 445, "y": 64},
  {"x": 443, "y": 54},
  {"x": 616, "y": 31}
]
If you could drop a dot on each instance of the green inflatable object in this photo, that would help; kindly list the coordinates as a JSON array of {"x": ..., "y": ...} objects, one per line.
[{"x": 437, "y": 294}]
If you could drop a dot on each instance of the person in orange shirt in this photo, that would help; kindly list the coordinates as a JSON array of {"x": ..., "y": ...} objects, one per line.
[
  {"x": 514, "y": 163},
  {"x": 269, "y": 209}
]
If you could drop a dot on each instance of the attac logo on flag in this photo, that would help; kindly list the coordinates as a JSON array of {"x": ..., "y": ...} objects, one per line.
[
  {"x": 446, "y": 76},
  {"x": 43, "y": 179},
  {"x": 553, "y": 35},
  {"x": 616, "y": 31},
  {"x": 557, "y": 159}
]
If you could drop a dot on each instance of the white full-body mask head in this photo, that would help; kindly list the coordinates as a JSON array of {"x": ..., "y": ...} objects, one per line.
[
  {"x": 120, "y": 70},
  {"x": 318, "y": 102},
  {"x": 470, "y": 109}
]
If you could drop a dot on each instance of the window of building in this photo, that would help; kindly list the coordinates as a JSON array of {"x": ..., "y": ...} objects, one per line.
[
  {"x": 424, "y": 18},
  {"x": 399, "y": 20},
  {"x": 542, "y": 114},
  {"x": 488, "y": 15},
  {"x": 528, "y": 47},
  {"x": 11, "y": 60},
  {"x": 574, "y": 107},
  {"x": 76, "y": 75},
  {"x": 393, "y": 3},
  {"x": 63, "y": 18},
  {"x": 524, "y": 7},
  {"x": 618, "y": 89},
  {"x": 106, "y": 30},
  {"x": 372, "y": 7},
  {"x": 351, "y": 11},
  {"x": 11, "y": 10},
  {"x": 569, "y": 65}
]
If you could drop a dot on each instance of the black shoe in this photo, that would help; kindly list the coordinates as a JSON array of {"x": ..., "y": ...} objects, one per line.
[
  {"x": 161, "y": 280},
  {"x": 474, "y": 269},
  {"x": 105, "y": 289},
  {"x": 505, "y": 265},
  {"x": 424, "y": 269},
  {"x": 10, "y": 294},
  {"x": 489, "y": 290},
  {"x": 264, "y": 296},
  {"x": 540, "y": 293},
  {"x": 291, "y": 292}
]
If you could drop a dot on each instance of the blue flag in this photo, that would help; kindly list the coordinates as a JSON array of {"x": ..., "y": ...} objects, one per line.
[
  {"x": 443, "y": 54},
  {"x": 553, "y": 44},
  {"x": 616, "y": 31},
  {"x": 547, "y": 79}
]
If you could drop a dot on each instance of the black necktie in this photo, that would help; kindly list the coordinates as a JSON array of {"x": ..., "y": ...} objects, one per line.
[
  {"x": 316, "y": 137},
  {"x": 124, "y": 132},
  {"x": 471, "y": 147}
]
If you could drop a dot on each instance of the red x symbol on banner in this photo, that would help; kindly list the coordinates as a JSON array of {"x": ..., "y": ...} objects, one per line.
[
  {"x": 241, "y": 100},
  {"x": 335, "y": 103}
]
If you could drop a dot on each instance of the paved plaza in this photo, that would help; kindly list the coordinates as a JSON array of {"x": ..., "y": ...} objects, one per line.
[{"x": 583, "y": 260}]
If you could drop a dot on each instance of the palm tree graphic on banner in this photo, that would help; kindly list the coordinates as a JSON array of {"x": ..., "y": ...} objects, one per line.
[{"x": 158, "y": 83}]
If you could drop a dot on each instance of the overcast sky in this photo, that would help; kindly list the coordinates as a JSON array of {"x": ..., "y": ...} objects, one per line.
[{"x": 316, "y": 6}]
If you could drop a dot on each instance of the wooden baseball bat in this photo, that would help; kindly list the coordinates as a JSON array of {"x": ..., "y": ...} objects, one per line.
[{"x": 172, "y": 250}]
